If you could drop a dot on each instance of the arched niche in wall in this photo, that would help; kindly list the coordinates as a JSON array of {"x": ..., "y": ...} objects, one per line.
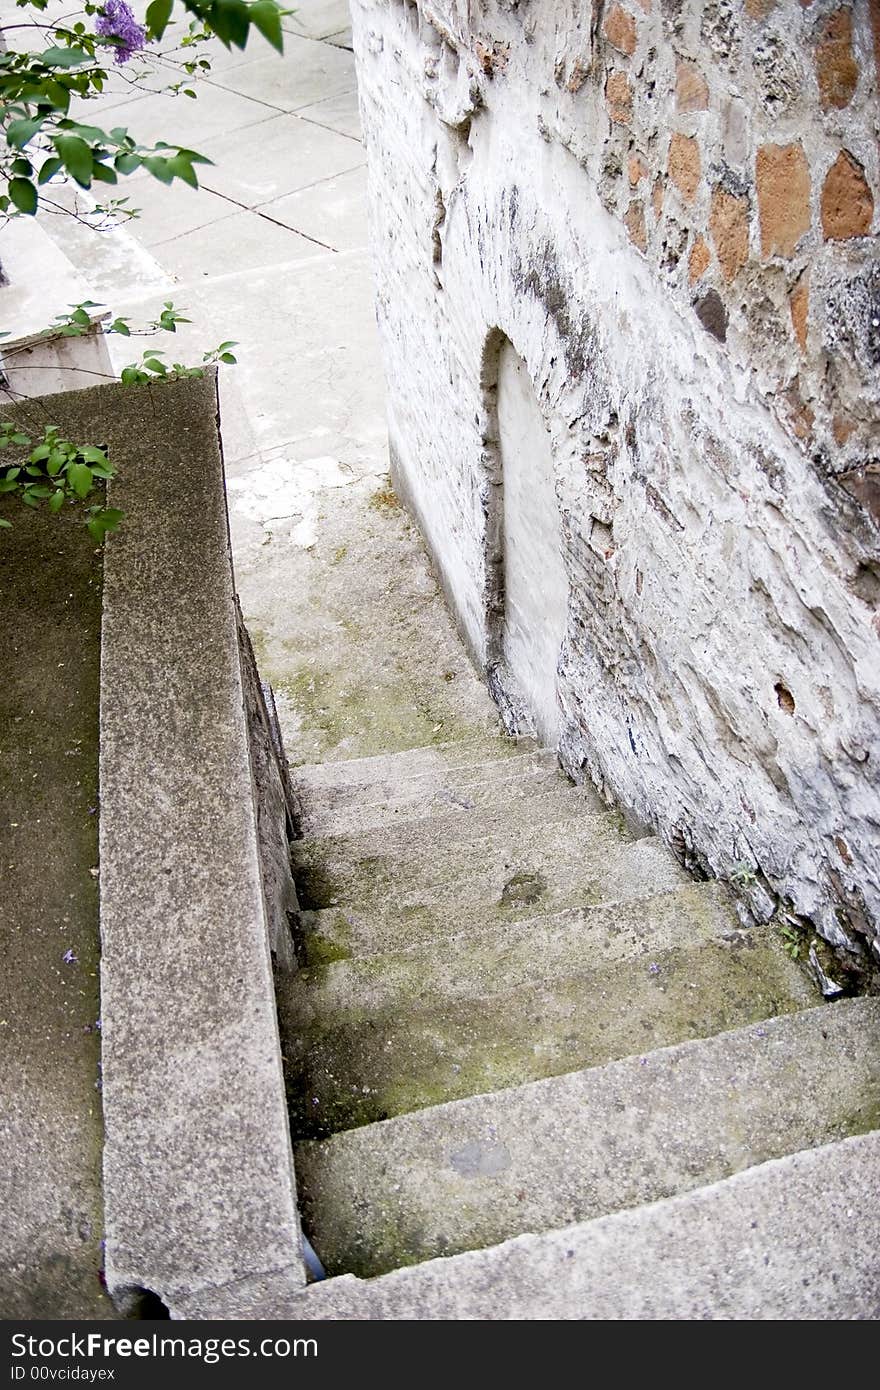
[{"x": 527, "y": 587}]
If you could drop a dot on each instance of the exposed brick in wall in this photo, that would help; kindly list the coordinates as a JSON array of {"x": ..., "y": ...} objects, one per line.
[{"x": 669, "y": 207}]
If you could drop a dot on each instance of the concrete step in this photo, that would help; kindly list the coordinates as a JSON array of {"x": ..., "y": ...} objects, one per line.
[
  {"x": 793, "y": 1238},
  {"x": 371, "y": 1039},
  {"x": 351, "y": 810},
  {"x": 376, "y": 863},
  {"x": 475, "y": 1172},
  {"x": 436, "y": 759},
  {"x": 515, "y": 884}
]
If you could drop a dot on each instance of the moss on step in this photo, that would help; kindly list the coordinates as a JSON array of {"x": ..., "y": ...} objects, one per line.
[{"x": 360, "y": 1065}]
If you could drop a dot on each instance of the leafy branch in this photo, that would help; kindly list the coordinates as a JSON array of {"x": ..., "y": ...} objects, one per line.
[
  {"x": 40, "y": 141},
  {"x": 56, "y": 471}
]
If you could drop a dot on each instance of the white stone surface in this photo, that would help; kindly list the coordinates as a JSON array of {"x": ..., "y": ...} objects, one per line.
[
  {"x": 535, "y": 586},
  {"x": 721, "y": 675}
]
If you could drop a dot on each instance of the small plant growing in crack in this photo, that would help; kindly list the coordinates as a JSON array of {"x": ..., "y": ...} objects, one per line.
[
  {"x": 743, "y": 874},
  {"x": 791, "y": 941}
]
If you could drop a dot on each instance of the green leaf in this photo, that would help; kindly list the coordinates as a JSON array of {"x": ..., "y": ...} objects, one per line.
[
  {"x": 64, "y": 57},
  {"x": 80, "y": 478},
  {"x": 159, "y": 167},
  {"x": 77, "y": 158},
  {"x": 56, "y": 501},
  {"x": 92, "y": 454},
  {"x": 158, "y": 15},
  {"x": 4, "y": 524},
  {"x": 80, "y": 316},
  {"x": 121, "y": 327},
  {"x": 102, "y": 173},
  {"x": 49, "y": 169},
  {"x": 228, "y": 358},
  {"x": 8, "y": 485},
  {"x": 18, "y": 133},
  {"x": 22, "y": 168},
  {"x": 266, "y": 15},
  {"x": 152, "y": 364},
  {"x": 230, "y": 20},
  {"x": 127, "y": 163},
  {"x": 130, "y": 376},
  {"x": 24, "y": 195},
  {"x": 182, "y": 169},
  {"x": 103, "y": 521}
]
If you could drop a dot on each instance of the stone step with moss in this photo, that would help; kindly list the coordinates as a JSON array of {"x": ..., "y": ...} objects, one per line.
[
  {"x": 352, "y": 1061},
  {"x": 436, "y": 758},
  {"x": 360, "y": 869},
  {"x": 351, "y": 810},
  {"x": 514, "y": 885},
  {"x": 504, "y": 956},
  {"x": 785, "y": 1239},
  {"x": 475, "y": 1172}
]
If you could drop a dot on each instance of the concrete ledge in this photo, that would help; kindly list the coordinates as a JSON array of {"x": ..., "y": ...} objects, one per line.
[
  {"x": 43, "y": 283},
  {"x": 198, "y": 1178}
]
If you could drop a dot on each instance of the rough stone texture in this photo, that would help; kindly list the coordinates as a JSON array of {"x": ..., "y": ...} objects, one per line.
[
  {"x": 542, "y": 1156},
  {"x": 712, "y": 554},
  {"x": 198, "y": 1179},
  {"x": 789, "y": 1239}
]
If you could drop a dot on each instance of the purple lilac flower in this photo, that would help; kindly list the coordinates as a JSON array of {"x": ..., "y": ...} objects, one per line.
[
  {"x": 116, "y": 21},
  {"x": 70, "y": 957}
]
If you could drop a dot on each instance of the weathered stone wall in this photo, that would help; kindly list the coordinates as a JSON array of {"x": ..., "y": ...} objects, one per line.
[{"x": 668, "y": 209}]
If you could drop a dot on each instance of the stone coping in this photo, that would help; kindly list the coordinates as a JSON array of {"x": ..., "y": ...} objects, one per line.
[{"x": 199, "y": 1189}]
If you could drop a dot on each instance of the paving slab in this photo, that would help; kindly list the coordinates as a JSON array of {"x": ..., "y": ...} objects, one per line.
[
  {"x": 305, "y": 73},
  {"x": 332, "y": 211},
  {"x": 337, "y": 113},
  {"x": 293, "y": 154},
  {"x": 193, "y": 255},
  {"x": 318, "y": 18},
  {"x": 168, "y": 211},
  {"x": 179, "y": 119},
  {"x": 476, "y": 1172}
]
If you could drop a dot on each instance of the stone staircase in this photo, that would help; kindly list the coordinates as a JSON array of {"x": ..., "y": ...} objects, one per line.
[{"x": 517, "y": 1022}]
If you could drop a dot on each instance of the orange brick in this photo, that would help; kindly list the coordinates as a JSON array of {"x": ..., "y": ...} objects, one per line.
[
  {"x": 691, "y": 88},
  {"x": 620, "y": 30},
  {"x": 698, "y": 261},
  {"x": 837, "y": 71},
  {"x": 619, "y": 97},
  {"x": 799, "y": 305},
  {"x": 684, "y": 165},
  {"x": 782, "y": 176},
  {"x": 847, "y": 201},
  {"x": 729, "y": 225}
]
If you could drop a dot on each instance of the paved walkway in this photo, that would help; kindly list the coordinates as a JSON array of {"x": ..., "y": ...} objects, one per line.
[{"x": 345, "y": 614}]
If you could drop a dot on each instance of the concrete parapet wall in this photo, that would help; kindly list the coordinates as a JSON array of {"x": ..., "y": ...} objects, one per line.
[{"x": 199, "y": 1189}]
